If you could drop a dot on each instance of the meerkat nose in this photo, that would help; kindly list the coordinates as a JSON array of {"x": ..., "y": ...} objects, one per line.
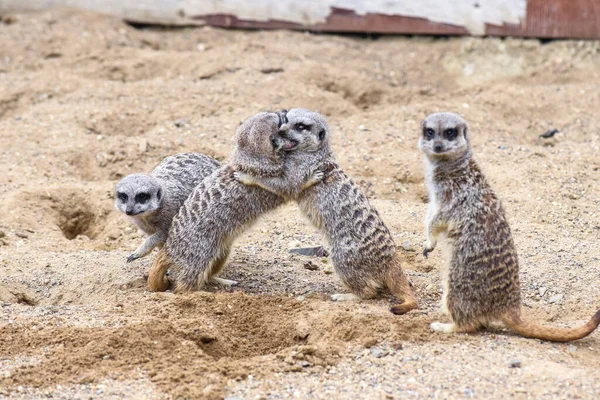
[
  {"x": 129, "y": 211},
  {"x": 438, "y": 147}
]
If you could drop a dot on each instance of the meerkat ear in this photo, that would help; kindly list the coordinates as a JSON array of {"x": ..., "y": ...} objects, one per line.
[
  {"x": 465, "y": 131},
  {"x": 159, "y": 194}
]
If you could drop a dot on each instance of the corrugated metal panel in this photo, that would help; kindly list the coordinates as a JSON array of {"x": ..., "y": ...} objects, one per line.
[
  {"x": 529, "y": 18},
  {"x": 543, "y": 18}
]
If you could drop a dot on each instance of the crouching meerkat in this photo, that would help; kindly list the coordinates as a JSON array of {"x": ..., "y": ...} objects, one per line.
[
  {"x": 482, "y": 272},
  {"x": 220, "y": 208},
  {"x": 363, "y": 251},
  {"x": 152, "y": 200}
]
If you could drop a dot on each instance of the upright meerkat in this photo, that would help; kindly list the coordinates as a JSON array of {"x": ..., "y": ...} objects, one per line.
[
  {"x": 362, "y": 248},
  {"x": 482, "y": 273},
  {"x": 220, "y": 208},
  {"x": 152, "y": 200}
]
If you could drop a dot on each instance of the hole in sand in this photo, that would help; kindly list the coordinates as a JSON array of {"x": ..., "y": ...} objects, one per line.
[{"x": 76, "y": 219}]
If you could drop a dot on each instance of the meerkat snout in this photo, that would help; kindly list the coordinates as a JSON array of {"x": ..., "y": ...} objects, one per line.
[
  {"x": 137, "y": 194},
  {"x": 444, "y": 135}
]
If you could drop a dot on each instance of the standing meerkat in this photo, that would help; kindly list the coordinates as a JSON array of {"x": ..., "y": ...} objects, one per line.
[
  {"x": 362, "y": 248},
  {"x": 220, "y": 208},
  {"x": 152, "y": 200},
  {"x": 482, "y": 272}
]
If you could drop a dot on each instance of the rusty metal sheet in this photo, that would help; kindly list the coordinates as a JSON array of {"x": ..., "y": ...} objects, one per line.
[
  {"x": 543, "y": 19},
  {"x": 526, "y": 18}
]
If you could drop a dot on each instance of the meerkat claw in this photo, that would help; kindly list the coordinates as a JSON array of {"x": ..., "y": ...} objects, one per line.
[
  {"x": 242, "y": 178},
  {"x": 132, "y": 258},
  {"x": 426, "y": 252}
]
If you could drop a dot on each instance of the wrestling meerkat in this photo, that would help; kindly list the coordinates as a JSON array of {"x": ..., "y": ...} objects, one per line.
[
  {"x": 362, "y": 248},
  {"x": 482, "y": 275},
  {"x": 220, "y": 208},
  {"x": 152, "y": 200}
]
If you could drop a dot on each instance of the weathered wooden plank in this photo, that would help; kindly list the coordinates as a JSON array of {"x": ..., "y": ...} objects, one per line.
[{"x": 528, "y": 18}]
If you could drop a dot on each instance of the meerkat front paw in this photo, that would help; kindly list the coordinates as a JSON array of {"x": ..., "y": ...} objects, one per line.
[
  {"x": 132, "y": 257},
  {"x": 243, "y": 178},
  {"x": 428, "y": 248}
]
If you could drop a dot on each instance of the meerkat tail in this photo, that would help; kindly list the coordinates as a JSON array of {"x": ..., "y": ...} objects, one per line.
[
  {"x": 157, "y": 279},
  {"x": 398, "y": 285},
  {"x": 512, "y": 319}
]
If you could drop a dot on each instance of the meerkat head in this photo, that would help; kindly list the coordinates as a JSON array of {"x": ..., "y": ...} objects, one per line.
[
  {"x": 259, "y": 135},
  {"x": 444, "y": 136},
  {"x": 307, "y": 129},
  {"x": 137, "y": 194}
]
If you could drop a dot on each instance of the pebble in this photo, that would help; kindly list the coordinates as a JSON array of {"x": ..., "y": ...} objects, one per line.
[
  {"x": 542, "y": 290},
  {"x": 311, "y": 266},
  {"x": 516, "y": 363},
  {"x": 180, "y": 122},
  {"x": 304, "y": 364},
  {"x": 22, "y": 235},
  {"x": 369, "y": 342},
  {"x": 406, "y": 246},
  {"x": 143, "y": 145},
  {"x": 556, "y": 298},
  {"x": 2, "y": 234},
  {"x": 378, "y": 353}
]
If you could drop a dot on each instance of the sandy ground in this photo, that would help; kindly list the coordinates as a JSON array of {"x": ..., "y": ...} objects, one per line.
[{"x": 85, "y": 100}]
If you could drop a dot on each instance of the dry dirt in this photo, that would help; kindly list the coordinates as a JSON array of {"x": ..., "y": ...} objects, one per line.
[{"x": 86, "y": 99}]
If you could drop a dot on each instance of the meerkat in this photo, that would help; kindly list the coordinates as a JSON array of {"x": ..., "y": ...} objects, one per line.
[
  {"x": 220, "y": 208},
  {"x": 482, "y": 273},
  {"x": 362, "y": 248},
  {"x": 152, "y": 200}
]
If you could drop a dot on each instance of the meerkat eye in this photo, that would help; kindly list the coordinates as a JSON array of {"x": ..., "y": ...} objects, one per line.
[
  {"x": 301, "y": 127},
  {"x": 322, "y": 135},
  {"x": 122, "y": 196},
  {"x": 450, "y": 133},
  {"x": 142, "y": 197},
  {"x": 429, "y": 133}
]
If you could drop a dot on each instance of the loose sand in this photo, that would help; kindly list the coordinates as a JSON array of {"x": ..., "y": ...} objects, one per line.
[{"x": 86, "y": 99}]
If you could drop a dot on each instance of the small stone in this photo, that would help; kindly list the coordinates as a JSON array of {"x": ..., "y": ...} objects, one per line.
[
  {"x": 2, "y": 234},
  {"x": 143, "y": 145},
  {"x": 294, "y": 244},
  {"x": 406, "y": 246},
  {"x": 397, "y": 346},
  {"x": 22, "y": 235},
  {"x": 328, "y": 270},
  {"x": 181, "y": 122},
  {"x": 542, "y": 291},
  {"x": 556, "y": 298},
  {"x": 378, "y": 353},
  {"x": 572, "y": 349},
  {"x": 311, "y": 266},
  {"x": 106, "y": 357},
  {"x": 318, "y": 251},
  {"x": 516, "y": 363},
  {"x": 369, "y": 342},
  {"x": 304, "y": 364}
]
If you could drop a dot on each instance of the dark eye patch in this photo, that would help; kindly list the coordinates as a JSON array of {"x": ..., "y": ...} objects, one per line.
[
  {"x": 301, "y": 127},
  {"x": 428, "y": 133},
  {"x": 122, "y": 196},
  {"x": 142, "y": 197},
  {"x": 450, "y": 133}
]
